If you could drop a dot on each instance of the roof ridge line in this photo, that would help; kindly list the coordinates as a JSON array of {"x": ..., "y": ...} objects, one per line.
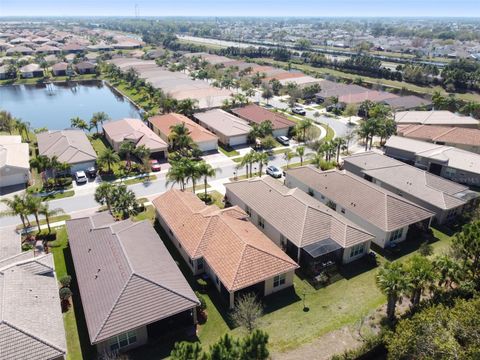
[
  {"x": 102, "y": 325},
  {"x": 160, "y": 285},
  {"x": 46, "y": 342}
]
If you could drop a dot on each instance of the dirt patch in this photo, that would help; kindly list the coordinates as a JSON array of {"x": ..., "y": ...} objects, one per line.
[{"x": 323, "y": 348}]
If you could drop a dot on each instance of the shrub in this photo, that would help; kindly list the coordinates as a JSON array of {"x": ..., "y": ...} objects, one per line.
[
  {"x": 65, "y": 293},
  {"x": 64, "y": 182},
  {"x": 66, "y": 281},
  {"x": 201, "y": 298},
  {"x": 425, "y": 249}
]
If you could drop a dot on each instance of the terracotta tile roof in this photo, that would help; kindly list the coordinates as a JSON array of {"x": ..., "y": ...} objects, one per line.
[
  {"x": 296, "y": 215},
  {"x": 257, "y": 114},
  {"x": 134, "y": 130},
  {"x": 449, "y": 135},
  {"x": 376, "y": 205},
  {"x": 71, "y": 146},
  {"x": 126, "y": 276},
  {"x": 197, "y": 132},
  {"x": 237, "y": 252}
]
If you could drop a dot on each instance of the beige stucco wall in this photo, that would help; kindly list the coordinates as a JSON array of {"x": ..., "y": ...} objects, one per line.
[
  {"x": 269, "y": 289},
  {"x": 142, "y": 339}
]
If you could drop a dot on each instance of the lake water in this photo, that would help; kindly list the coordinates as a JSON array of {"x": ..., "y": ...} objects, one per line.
[{"x": 53, "y": 105}]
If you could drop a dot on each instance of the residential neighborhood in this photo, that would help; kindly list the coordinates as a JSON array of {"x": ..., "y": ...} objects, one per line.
[{"x": 251, "y": 188}]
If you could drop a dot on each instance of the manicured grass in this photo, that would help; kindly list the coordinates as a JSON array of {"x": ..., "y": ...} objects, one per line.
[
  {"x": 142, "y": 179},
  {"x": 147, "y": 214},
  {"x": 228, "y": 151},
  {"x": 296, "y": 164},
  {"x": 215, "y": 197},
  {"x": 59, "y": 195},
  {"x": 198, "y": 187},
  {"x": 237, "y": 159},
  {"x": 58, "y": 248},
  {"x": 43, "y": 221},
  {"x": 330, "y": 132}
]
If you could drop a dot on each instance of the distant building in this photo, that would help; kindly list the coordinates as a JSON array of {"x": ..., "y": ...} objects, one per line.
[
  {"x": 14, "y": 161},
  {"x": 31, "y": 71},
  {"x": 435, "y": 117}
]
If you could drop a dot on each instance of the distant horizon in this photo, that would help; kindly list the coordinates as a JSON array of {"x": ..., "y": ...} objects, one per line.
[{"x": 247, "y": 8}]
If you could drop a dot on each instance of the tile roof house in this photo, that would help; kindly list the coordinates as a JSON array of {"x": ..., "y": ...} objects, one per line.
[
  {"x": 256, "y": 114},
  {"x": 61, "y": 69},
  {"x": 85, "y": 67},
  {"x": 443, "y": 197},
  {"x": 382, "y": 213},
  {"x": 409, "y": 102},
  {"x": 230, "y": 129},
  {"x": 309, "y": 231},
  {"x": 30, "y": 71},
  {"x": 31, "y": 321},
  {"x": 435, "y": 117},
  {"x": 127, "y": 281},
  {"x": 134, "y": 130},
  {"x": 14, "y": 161},
  {"x": 236, "y": 256},
  {"x": 446, "y": 161},
  {"x": 462, "y": 138},
  {"x": 161, "y": 125},
  {"x": 70, "y": 146}
]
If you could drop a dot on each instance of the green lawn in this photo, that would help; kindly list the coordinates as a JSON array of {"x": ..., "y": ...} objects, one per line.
[
  {"x": 228, "y": 151},
  {"x": 60, "y": 251},
  {"x": 330, "y": 132},
  {"x": 59, "y": 195},
  {"x": 147, "y": 214},
  {"x": 143, "y": 179},
  {"x": 43, "y": 221},
  {"x": 216, "y": 197}
]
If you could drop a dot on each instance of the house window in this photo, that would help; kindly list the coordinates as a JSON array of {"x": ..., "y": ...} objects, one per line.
[
  {"x": 123, "y": 340},
  {"x": 357, "y": 250},
  {"x": 217, "y": 280},
  {"x": 200, "y": 264},
  {"x": 261, "y": 222},
  {"x": 395, "y": 235},
  {"x": 248, "y": 210},
  {"x": 322, "y": 197},
  {"x": 331, "y": 205},
  {"x": 342, "y": 210},
  {"x": 279, "y": 280},
  {"x": 170, "y": 232},
  {"x": 451, "y": 213},
  {"x": 311, "y": 192}
]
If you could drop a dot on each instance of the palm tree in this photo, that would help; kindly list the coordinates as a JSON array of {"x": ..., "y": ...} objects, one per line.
[
  {"x": 108, "y": 158},
  {"x": 448, "y": 270},
  {"x": 392, "y": 282},
  {"x": 420, "y": 274},
  {"x": 207, "y": 171},
  {"x": 40, "y": 163},
  {"x": 187, "y": 107},
  {"x": 48, "y": 213},
  {"x": 262, "y": 158},
  {"x": 143, "y": 153},
  {"x": 317, "y": 159},
  {"x": 127, "y": 148},
  {"x": 267, "y": 93},
  {"x": 23, "y": 127},
  {"x": 191, "y": 172},
  {"x": 177, "y": 174},
  {"x": 78, "y": 123},
  {"x": 303, "y": 126},
  {"x": 180, "y": 137},
  {"x": 363, "y": 132},
  {"x": 124, "y": 201},
  {"x": 288, "y": 155},
  {"x": 104, "y": 194},
  {"x": 16, "y": 206},
  {"x": 7, "y": 122},
  {"x": 340, "y": 144},
  {"x": 300, "y": 152},
  {"x": 33, "y": 205}
]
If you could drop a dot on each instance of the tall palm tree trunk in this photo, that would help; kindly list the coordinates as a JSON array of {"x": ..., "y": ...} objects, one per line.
[
  {"x": 205, "y": 185},
  {"x": 391, "y": 304},
  {"x": 47, "y": 219},
  {"x": 38, "y": 222}
]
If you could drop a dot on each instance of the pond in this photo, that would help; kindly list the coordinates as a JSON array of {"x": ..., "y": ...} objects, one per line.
[{"x": 53, "y": 105}]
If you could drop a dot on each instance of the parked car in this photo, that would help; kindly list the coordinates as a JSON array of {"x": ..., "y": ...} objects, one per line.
[
  {"x": 298, "y": 110},
  {"x": 91, "y": 172},
  {"x": 273, "y": 171},
  {"x": 80, "y": 177},
  {"x": 283, "y": 140},
  {"x": 155, "y": 165}
]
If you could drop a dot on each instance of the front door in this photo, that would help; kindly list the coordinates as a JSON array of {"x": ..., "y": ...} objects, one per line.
[{"x": 435, "y": 169}]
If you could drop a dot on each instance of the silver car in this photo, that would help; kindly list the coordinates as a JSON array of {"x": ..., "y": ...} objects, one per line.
[
  {"x": 273, "y": 171},
  {"x": 81, "y": 177}
]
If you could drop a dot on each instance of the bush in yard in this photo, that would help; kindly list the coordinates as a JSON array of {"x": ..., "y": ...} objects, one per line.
[
  {"x": 65, "y": 295},
  {"x": 425, "y": 249},
  {"x": 201, "y": 310},
  {"x": 247, "y": 312},
  {"x": 64, "y": 182},
  {"x": 66, "y": 281}
]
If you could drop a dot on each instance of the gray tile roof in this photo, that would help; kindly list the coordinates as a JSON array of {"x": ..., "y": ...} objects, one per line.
[
  {"x": 126, "y": 276},
  {"x": 31, "y": 322},
  {"x": 296, "y": 215},
  {"x": 71, "y": 146},
  {"x": 375, "y": 205},
  {"x": 439, "y": 192},
  {"x": 437, "y": 117},
  {"x": 223, "y": 122}
]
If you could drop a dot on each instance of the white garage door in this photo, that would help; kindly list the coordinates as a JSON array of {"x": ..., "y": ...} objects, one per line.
[
  {"x": 208, "y": 145},
  {"x": 238, "y": 140}
]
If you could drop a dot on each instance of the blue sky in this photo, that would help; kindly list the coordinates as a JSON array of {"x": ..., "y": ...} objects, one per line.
[{"x": 451, "y": 8}]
